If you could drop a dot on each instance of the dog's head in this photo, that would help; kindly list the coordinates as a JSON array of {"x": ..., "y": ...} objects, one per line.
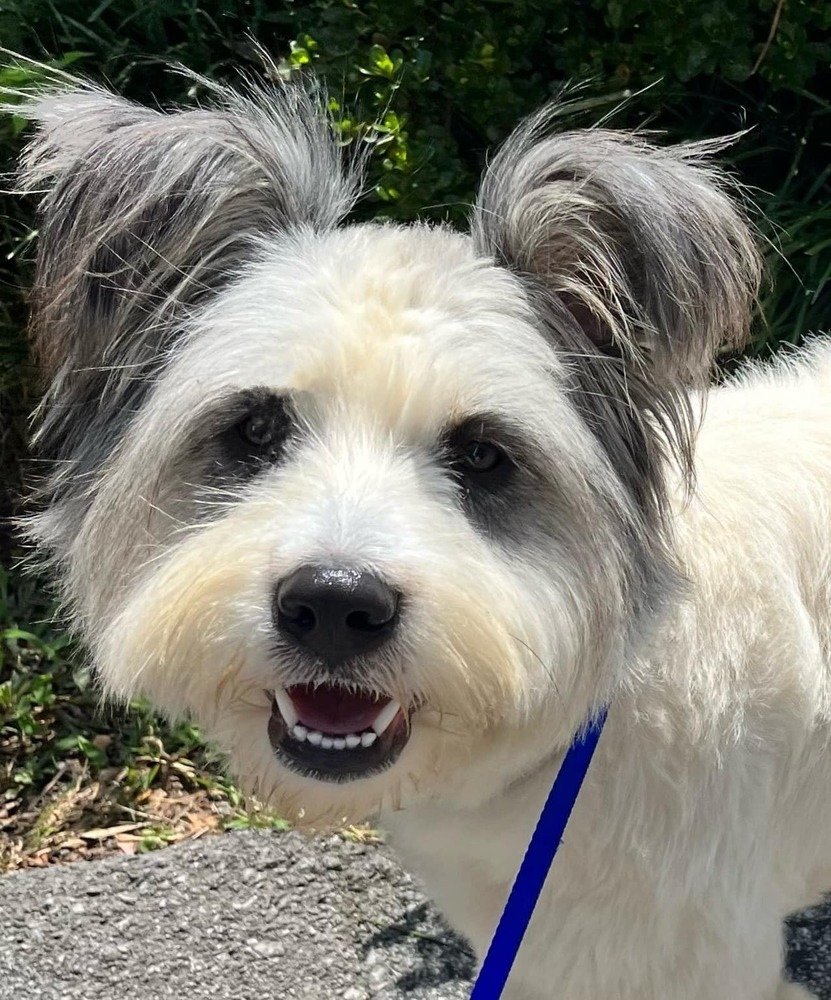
[{"x": 383, "y": 507}]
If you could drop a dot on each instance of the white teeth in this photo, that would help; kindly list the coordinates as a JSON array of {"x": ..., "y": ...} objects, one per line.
[
  {"x": 385, "y": 717},
  {"x": 317, "y": 739},
  {"x": 302, "y": 733},
  {"x": 284, "y": 703}
]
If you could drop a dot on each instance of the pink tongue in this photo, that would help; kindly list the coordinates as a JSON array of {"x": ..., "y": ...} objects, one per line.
[{"x": 335, "y": 710}]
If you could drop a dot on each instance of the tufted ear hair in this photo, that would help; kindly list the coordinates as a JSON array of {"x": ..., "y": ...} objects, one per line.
[
  {"x": 641, "y": 267},
  {"x": 144, "y": 214}
]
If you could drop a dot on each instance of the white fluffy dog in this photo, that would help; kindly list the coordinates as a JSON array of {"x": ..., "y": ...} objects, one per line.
[{"x": 391, "y": 510}]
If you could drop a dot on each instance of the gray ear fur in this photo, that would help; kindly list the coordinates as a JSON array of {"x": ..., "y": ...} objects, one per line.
[
  {"x": 144, "y": 213},
  {"x": 640, "y": 265}
]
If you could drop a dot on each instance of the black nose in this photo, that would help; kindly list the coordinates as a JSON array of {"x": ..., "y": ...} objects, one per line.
[{"x": 335, "y": 612}]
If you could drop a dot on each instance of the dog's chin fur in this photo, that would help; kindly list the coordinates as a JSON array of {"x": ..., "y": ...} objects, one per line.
[{"x": 194, "y": 275}]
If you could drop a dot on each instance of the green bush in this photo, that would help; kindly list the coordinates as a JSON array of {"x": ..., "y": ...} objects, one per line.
[{"x": 429, "y": 85}]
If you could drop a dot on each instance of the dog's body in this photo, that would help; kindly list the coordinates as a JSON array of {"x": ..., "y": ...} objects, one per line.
[
  {"x": 704, "y": 819},
  {"x": 392, "y": 510}
]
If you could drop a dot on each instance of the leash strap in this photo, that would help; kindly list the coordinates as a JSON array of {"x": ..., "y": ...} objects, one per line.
[{"x": 535, "y": 865}]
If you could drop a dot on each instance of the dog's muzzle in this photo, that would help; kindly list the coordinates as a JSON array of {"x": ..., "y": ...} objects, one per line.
[{"x": 333, "y": 731}]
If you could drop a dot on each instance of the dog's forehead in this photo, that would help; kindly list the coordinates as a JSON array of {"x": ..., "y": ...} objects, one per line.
[{"x": 406, "y": 323}]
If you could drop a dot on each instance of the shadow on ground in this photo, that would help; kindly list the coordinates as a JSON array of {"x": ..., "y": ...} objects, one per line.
[{"x": 439, "y": 958}]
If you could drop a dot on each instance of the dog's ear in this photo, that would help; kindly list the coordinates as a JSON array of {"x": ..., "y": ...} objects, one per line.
[
  {"x": 144, "y": 214},
  {"x": 641, "y": 244},
  {"x": 641, "y": 266}
]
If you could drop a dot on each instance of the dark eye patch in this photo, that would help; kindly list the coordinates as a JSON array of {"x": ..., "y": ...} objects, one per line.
[
  {"x": 507, "y": 489},
  {"x": 484, "y": 457},
  {"x": 254, "y": 433}
]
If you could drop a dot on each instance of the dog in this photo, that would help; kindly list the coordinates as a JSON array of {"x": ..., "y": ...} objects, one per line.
[{"x": 392, "y": 510}]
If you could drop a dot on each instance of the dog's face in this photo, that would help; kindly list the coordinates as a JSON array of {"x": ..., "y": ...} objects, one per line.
[{"x": 382, "y": 507}]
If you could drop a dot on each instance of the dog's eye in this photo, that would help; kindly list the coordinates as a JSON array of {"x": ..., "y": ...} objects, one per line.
[
  {"x": 480, "y": 467},
  {"x": 265, "y": 426},
  {"x": 257, "y": 429},
  {"x": 256, "y": 435},
  {"x": 481, "y": 456}
]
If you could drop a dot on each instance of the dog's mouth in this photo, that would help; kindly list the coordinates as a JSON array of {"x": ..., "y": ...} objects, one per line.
[{"x": 333, "y": 733}]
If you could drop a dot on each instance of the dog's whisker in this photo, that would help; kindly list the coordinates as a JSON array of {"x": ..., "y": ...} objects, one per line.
[{"x": 549, "y": 671}]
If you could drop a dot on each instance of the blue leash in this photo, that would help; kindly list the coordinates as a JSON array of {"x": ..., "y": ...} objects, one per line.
[{"x": 535, "y": 865}]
